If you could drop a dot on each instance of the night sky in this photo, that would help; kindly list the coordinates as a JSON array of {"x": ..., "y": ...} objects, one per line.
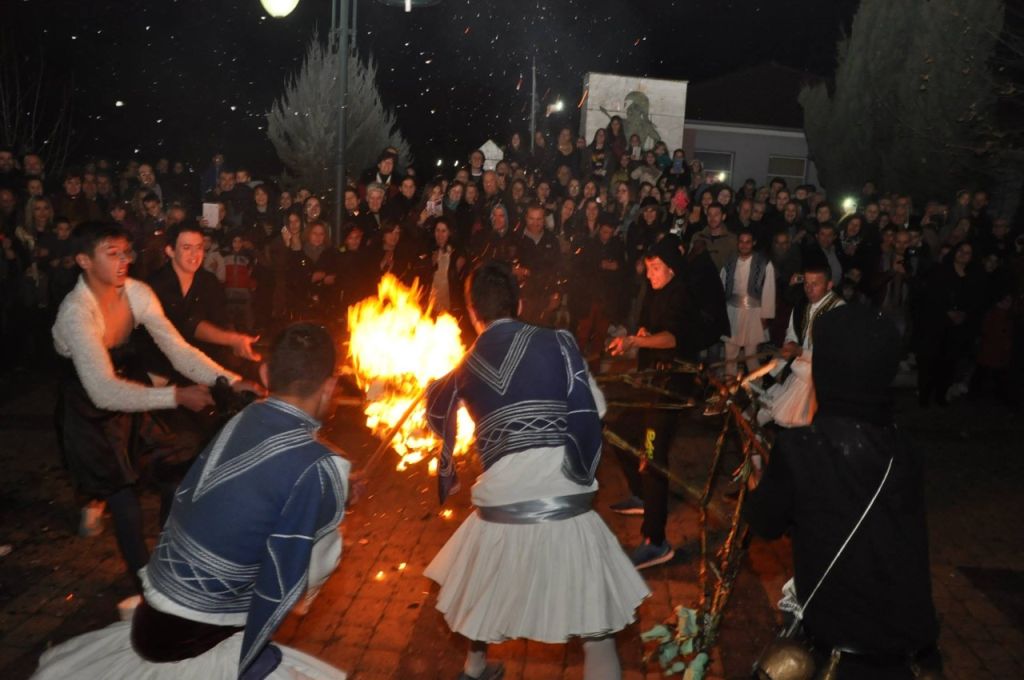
[{"x": 197, "y": 76}]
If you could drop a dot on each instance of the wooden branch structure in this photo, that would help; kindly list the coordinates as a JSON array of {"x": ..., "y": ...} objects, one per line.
[{"x": 719, "y": 568}]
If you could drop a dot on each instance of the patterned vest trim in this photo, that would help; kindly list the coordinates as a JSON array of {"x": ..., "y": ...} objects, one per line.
[
  {"x": 802, "y": 324},
  {"x": 755, "y": 282}
]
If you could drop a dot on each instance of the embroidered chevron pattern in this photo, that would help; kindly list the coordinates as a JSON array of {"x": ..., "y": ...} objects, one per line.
[
  {"x": 214, "y": 476},
  {"x": 217, "y": 449},
  {"x": 499, "y": 379}
]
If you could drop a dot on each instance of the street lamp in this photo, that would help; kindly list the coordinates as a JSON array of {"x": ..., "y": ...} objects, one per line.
[
  {"x": 279, "y": 8},
  {"x": 340, "y": 29}
]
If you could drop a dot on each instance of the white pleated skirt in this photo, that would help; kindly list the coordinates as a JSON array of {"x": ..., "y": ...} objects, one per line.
[
  {"x": 794, "y": 403},
  {"x": 107, "y": 654},
  {"x": 546, "y": 582}
]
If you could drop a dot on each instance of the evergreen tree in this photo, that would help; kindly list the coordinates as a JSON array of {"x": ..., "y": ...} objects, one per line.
[
  {"x": 912, "y": 97},
  {"x": 302, "y": 123}
]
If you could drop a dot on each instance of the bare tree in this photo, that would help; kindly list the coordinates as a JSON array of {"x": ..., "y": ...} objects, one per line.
[
  {"x": 35, "y": 113},
  {"x": 302, "y": 123}
]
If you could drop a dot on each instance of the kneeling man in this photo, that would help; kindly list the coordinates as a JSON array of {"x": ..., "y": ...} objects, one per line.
[{"x": 253, "y": 527}]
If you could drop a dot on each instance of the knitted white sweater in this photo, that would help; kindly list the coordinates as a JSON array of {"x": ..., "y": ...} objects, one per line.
[{"x": 78, "y": 335}]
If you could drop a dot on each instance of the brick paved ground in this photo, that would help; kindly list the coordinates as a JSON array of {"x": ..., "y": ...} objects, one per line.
[{"x": 377, "y": 620}]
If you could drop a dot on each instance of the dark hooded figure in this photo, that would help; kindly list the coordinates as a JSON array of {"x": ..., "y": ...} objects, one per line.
[
  {"x": 852, "y": 463},
  {"x": 664, "y": 334}
]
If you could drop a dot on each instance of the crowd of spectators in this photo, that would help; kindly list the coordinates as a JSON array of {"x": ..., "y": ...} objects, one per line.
[{"x": 574, "y": 217}]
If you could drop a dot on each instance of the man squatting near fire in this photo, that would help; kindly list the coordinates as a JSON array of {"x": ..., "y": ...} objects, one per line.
[
  {"x": 254, "y": 526},
  {"x": 534, "y": 561}
]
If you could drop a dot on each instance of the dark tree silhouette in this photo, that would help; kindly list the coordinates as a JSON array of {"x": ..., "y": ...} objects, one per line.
[{"x": 914, "y": 100}]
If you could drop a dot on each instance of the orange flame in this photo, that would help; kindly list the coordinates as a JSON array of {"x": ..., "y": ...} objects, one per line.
[{"x": 396, "y": 350}]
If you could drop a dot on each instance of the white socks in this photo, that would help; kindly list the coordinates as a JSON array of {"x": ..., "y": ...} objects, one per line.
[
  {"x": 476, "y": 659},
  {"x": 601, "y": 660}
]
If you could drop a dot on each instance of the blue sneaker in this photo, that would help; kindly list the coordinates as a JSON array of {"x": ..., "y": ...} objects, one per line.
[
  {"x": 629, "y": 506},
  {"x": 650, "y": 554}
]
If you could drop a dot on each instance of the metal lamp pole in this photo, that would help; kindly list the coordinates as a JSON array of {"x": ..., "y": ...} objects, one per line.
[
  {"x": 533, "y": 101},
  {"x": 345, "y": 42},
  {"x": 339, "y": 169}
]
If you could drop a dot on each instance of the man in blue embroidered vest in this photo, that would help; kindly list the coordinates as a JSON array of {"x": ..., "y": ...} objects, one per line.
[
  {"x": 534, "y": 561},
  {"x": 254, "y": 527},
  {"x": 749, "y": 281}
]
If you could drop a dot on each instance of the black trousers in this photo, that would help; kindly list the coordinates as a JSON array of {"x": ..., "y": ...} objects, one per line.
[{"x": 652, "y": 431}]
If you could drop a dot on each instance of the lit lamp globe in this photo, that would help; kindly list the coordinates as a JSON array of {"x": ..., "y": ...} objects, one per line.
[{"x": 279, "y": 8}]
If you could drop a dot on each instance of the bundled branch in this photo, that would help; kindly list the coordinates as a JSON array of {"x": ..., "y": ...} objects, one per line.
[{"x": 684, "y": 644}]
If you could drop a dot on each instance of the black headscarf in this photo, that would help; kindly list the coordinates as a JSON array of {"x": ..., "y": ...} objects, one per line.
[
  {"x": 667, "y": 250},
  {"x": 856, "y": 356}
]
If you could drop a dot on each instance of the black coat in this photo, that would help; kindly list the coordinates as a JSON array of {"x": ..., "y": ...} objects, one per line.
[
  {"x": 315, "y": 299},
  {"x": 589, "y": 281},
  {"x": 710, "y": 320},
  {"x": 877, "y": 598}
]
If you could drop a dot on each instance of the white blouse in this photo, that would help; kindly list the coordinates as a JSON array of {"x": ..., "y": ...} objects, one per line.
[{"x": 78, "y": 335}]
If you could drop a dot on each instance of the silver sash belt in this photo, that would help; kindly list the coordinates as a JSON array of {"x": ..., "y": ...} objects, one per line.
[
  {"x": 744, "y": 301},
  {"x": 539, "y": 510}
]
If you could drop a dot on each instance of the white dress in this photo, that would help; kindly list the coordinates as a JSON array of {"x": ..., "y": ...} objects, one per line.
[
  {"x": 107, "y": 654},
  {"x": 547, "y": 581}
]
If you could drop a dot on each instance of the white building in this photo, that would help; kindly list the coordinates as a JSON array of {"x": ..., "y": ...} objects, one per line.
[{"x": 749, "y": 124}]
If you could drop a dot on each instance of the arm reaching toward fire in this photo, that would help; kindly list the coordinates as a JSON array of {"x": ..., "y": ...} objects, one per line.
[{"x": 442, "y": 417}]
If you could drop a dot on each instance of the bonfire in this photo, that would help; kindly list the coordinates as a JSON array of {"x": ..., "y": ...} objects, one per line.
[{"x": 397, "y": 347}]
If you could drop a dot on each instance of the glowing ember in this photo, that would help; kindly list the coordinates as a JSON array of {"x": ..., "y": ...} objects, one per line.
[
  {"x": 396, "y": 350},
  {"x": 447, "y": 514},
  {"x": 379, "y": 576}
]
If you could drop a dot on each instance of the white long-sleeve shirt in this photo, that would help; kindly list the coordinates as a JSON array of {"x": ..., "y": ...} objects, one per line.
[
  {"x": 78, "y": 335},
  {"x": 808, "y": 343}
]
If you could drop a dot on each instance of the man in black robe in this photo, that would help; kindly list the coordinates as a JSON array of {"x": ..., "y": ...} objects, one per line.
[{"x": 874, "y": 605}]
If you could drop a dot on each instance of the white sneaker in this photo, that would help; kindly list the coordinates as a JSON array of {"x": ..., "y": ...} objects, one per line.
[{"x": 91, "y": 523}]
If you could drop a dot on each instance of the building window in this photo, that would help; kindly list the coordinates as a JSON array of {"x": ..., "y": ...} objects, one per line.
[
  {"x": 717, "y": 165},
  {"x": 793, "y": 169}
]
